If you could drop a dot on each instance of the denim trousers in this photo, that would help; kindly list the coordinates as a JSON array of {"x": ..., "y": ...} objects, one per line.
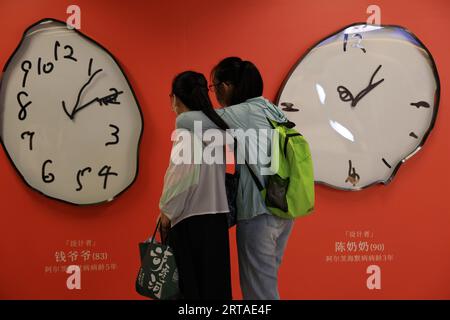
[{"x": 261, "y": 242}]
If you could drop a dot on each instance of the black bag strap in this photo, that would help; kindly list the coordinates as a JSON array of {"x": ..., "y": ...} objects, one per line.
[
  {"x": 255, "y": 178},
  {"x": 156, "y": 229},
  {"x": 152, "y": 241},
  {"x": 163, "y": 241}
]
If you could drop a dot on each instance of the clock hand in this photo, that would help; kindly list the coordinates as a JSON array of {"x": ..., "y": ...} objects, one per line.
[
  {"x": 369, "y": 88},
  {"x": 71, "y": 115},
  {"x": 65, "y": 110},
  {"x": 84, "y": 87},
  {"x": 108, "y": 99},
  {"x": 345, "y": 94},
  {"x": 353, "y": 177}
]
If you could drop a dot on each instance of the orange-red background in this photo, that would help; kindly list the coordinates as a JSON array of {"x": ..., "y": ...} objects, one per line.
[{"x": 154, "y": 40}]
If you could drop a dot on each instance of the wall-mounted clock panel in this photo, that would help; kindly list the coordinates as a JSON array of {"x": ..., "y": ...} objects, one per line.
[
  {"x": 366, "y": 99},
  {"x": 70, "y": 122}
]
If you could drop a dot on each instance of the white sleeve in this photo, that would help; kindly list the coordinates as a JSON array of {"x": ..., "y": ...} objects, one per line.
[{"x": 182, "y": 175}]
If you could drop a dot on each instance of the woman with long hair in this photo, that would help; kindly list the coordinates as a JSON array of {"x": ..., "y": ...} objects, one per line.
[
  {"x": 261, "y": 237},
  {"x": 194, "y": 204}
]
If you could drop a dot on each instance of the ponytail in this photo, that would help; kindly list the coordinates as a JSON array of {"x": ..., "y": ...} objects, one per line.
[
  {"x": 192, "y": 89},
  {"x": 243, "y": 75}
]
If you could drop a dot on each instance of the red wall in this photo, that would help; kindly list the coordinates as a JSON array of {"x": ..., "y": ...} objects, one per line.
[{"x": 156, "y": 39}]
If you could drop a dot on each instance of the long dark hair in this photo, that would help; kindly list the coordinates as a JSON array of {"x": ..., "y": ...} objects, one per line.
[
  {"x": 243, "y": 75},
  {"x": 192, "y": 89}
]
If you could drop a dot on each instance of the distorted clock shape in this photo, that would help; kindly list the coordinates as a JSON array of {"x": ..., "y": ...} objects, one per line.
[
  {"x": 69, "y": 120},
  {"x": 365, "y": 98}
]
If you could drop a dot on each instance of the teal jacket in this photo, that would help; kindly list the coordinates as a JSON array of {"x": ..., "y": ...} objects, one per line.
[{"x": 251, "y": 114}]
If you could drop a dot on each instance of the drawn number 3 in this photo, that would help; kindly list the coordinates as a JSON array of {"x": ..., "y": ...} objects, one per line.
[{"x": 115, "y": 134}]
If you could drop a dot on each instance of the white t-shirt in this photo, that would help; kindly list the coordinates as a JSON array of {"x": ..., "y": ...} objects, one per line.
[{"x": 193, "y": 187}]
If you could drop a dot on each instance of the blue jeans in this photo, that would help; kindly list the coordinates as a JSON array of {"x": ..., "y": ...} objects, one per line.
[{"x": 261, "y": 242}]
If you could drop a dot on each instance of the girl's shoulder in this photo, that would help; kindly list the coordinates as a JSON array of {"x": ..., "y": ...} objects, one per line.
[{"x": 187, "y": 120}]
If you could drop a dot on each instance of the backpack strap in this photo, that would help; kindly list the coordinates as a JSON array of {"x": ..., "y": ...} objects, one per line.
[
  {"x": 289, "y": 124},
  {"x": 255, "y": 178}
]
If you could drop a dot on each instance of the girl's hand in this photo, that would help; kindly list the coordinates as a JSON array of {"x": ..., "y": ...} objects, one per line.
[
  {"x": 165, "y": 222},
  {"x": 164, "y": 227}
]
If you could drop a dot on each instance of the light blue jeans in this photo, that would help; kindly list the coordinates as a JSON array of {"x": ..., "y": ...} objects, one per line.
[{"x": 261, "y": 242}]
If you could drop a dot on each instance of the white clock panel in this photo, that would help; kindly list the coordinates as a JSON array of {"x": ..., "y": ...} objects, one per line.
[
  {"x": 69, "y": 120},
  {"x": 366, "y": 99}
]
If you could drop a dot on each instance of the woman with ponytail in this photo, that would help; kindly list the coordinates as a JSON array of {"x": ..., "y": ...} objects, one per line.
[
  {"x": 261, "y": 237},
  {"x": 194, "y": 204}
]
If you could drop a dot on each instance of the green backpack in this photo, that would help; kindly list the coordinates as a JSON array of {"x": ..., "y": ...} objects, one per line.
[{"x": 289, "y": 192}]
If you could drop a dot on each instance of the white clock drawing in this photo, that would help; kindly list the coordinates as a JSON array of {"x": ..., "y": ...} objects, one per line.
[
  {"x": 69, "y": 120},
  {"x": 366, "y": 99}
]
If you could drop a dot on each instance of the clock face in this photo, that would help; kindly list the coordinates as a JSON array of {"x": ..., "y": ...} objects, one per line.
[
  {"x": 69, "y": 120},
  {"x": 366, "y": 99}
]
